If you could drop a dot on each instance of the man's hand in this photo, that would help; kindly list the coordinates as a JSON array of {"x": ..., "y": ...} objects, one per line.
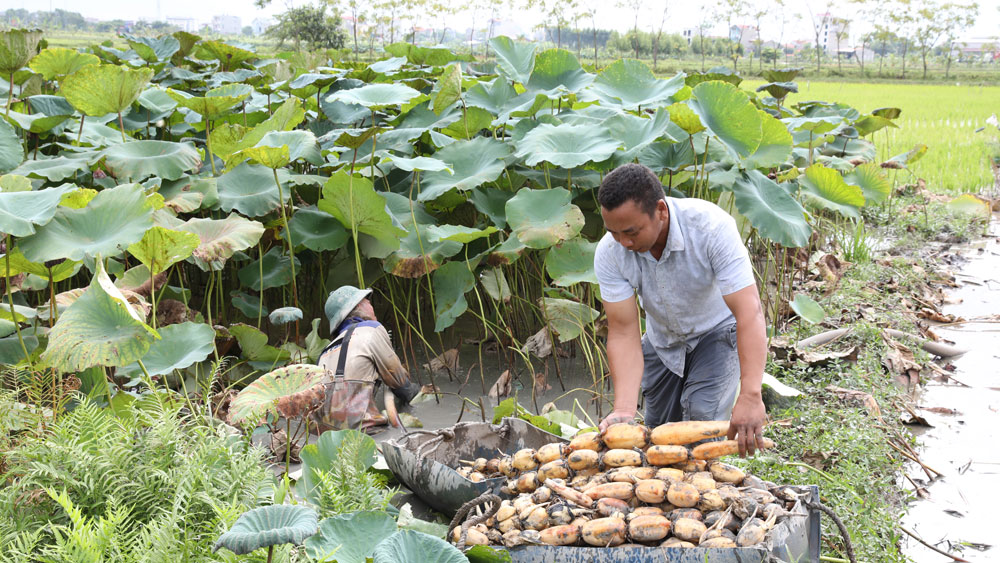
[
  {"x": 616, "y": 417},
  {"x": 747, "y": 422}
]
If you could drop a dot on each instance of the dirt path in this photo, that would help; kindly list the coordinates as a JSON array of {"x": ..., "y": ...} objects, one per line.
[{"x": 958, "y": 516}]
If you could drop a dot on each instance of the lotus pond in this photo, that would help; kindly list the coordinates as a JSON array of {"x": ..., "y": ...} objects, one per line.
[{"x": 175, "y": 214}]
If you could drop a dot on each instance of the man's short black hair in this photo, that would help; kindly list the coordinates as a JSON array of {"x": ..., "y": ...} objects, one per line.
[{"x": 630, "y": 182}]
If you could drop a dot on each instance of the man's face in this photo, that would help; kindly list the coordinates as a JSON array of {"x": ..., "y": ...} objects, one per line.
[
  {"x": 633, "y": 228},
  {"x": 367, "y": 309}
]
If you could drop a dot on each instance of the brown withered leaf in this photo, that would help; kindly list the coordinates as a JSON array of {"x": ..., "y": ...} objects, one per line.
[
  {"x": 446, "y": 361},
  {"x": 898, "y": 361},
  {"x": 938, "y": 317},
  {"x": 279, "y": 446},
  {"x": 541, "y": 383},
  {"x": 503, "y": 385},
  {"x": 301, "y": 403},
  {"x": 831, "y": 269},
  {"x": 817, "y": 359},
  {"x": 941, "y": 410},
  {"x": 866, "y": 399},
  {"x": 819, "y": 460},
  {"x": 538, "y": 344}
]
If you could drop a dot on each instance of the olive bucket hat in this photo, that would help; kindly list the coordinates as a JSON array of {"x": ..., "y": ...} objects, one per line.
[{"x": 341, "y": 302}]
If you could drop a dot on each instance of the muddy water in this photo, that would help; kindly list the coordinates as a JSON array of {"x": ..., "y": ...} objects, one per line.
[{"x": 961, "y": 510}]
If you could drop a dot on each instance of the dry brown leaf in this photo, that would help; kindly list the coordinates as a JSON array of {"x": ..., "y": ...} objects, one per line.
[
  {"x": 815, "y": 359},
  {"x": 541, "y": 383},
  {"x": 503, "y": 385},
  {"x": 941, "y": 410},
  {"x": 866, "y": 399},
  {"x": 538, "y": 344},
  {"x": 447, "y": 361},
  {"x": 279, "y": 446},
  {"x": 932, "y": 315}
]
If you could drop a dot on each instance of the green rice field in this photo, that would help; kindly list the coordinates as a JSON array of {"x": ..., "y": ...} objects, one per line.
[{"x": 943, "y": 117}]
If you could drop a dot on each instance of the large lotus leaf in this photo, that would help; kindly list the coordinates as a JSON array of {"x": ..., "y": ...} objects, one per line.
[
  {"x": 515, "y": 61},
  {"x": 161, "y": 248},
  {"x": 229, "y": 57},
  {"x": 216, "y": 102},
  {"x": 451, "y": 282},
  {"x": 809, "y": 310},
  {"x": 558, "y": 71},
  {"x": 728, "y": 114},
  {"x": 263, "y": 395},
  {"x": 277, "y": 269},
  {"x": 285, "y": 118},
  {"x": 493, "y": 96},
  {"x": 285, "y": 315},
  {"x": 571, "y": 262},
  {"x": 631, "y": 85},
  {"x": 566, "y": 146},
  {"x": 11, "y": 151},
  {"x": 869, "y": 124},
  {"x": 271, "y": 525},
  {"x": 21, "y": 212},
  {"x": 636, "y": 133},
  {"x": 826, "y": 188},
  {"x": 179, "y": 346},
  {"x": 430, "y": 56},
  {"x": 102, "y": 89},
  {"x": 375, "y": 96},
  {"x": 140, "y": 159},
  {"x": 662, "y": 155},
  {"x": 100, "y": 328},
  {"x": 909, "y": 157},
  {"x": 17, "y": 47},
  {"x": 408, "y": 546},
  {"x": 153, "y": 49},
  {"x": 423, "y": 163},
  {"x": 449, "y": 88},
  {"x": 250, "y": 189},
  {"x": 316, "y": 230},
  {"x": 157, "y": 101},
  {"x": 353, "y": 201},
  {"x": 301, "y": 144},
  {"x": 568, "y": 319},
  {"x": 114, "y": 219},
  {"x": 350, "y": 538},
  {"x": 322, "y": 455},
  {"x": 495, "y": 283},
  {"x": 19, "y": 264},
  {"x": 772, "y": 210},
  {"x": 542, "y": 218},
  {"x": 457, "y": 233},
  {"x": 781, "y": 74},
  {"x": 472, "y": 163},
  {"x": 775, "y": 144},
  {"x": 686, "y": 118},
  {"x": 21, "y": 313},
  {"x": 779, "y": 90},
  {"x": 492, "y": 202},
  {"x": 814, "y": 125},
  {"x": 418, "y": 256},
  {"x": 249, "y": 305},
  {"x": 268, "y": 157},
  {"x": 873, "y": 182},
  {"x": 221, "y": 238},
  {"x": 474, "y": 120},
  {"x": 36, "y": 122}
]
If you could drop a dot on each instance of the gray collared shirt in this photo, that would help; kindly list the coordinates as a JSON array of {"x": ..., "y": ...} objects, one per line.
[{"x": 681, "y": 293}]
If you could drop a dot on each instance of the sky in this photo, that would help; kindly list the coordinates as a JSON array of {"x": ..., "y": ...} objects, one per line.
[{"x": 681, "y": 14}]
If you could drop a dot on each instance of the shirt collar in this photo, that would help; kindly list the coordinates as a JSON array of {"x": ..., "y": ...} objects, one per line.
[{"x": 675, "y": 234}]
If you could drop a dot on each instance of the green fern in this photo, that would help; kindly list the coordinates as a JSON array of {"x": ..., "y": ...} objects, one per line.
[{"x": 348, "y": 486}]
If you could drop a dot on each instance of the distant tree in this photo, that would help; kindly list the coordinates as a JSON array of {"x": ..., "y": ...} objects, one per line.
[
  {"x": 955, "y": 19},
  {"x": 758, "y": 11},
  {"x": 841, "y": 27},
  {"x": 903, "y": 18},
  {"x": 310, "y": 25},
  {"x": 819, "y": 21},
  {"x": 590, "y": 8},
  {"x": 247, "y": 31},
  {"x": 734, "y": 11},
  {"x": 658, "y": 35}
]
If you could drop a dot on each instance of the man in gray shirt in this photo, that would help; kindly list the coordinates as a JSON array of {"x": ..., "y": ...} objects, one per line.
[{"x": 705, "y": 334}]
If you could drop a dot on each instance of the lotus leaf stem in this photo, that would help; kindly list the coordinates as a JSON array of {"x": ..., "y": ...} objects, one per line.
[
  {"x": 10, "y": 298},
  {"x": 208, "y": 144},
  {"x": 291, "y": 248},
  {"x": 10, "y": 94},
  {"x": 121, "y": 126},
  {"x": 52, "y": 299},
  {"x": 260, "y": 264}
]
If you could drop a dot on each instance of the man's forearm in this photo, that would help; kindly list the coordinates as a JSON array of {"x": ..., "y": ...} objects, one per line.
[
  {"x": 625, "y": 361},
  {"x": 751, "y": 338}
]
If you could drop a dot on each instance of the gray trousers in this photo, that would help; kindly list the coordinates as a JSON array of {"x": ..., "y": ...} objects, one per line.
[{"x": 708, "y": 389}]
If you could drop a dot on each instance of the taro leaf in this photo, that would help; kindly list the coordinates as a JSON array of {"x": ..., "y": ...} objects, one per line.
[
  {"x": 775, "y": 145},
  {"x": 350, "y": 538},
  {"x": 566, "y": 146},
  {"x": 909, "y": 157},
  {"x": 451, "y": 282},
  {"x": 472, "y": 163},
  {"x": 267, "y": 526},
  {"x": 285, "y": 315},
  {"x": 161, "y": 248},
  {"x": 140, "y": 159},
  {"x": 301, "y": 144},
  {"x": 153, "y": 49},
  {"x": 418, "y": 256},
  {"x": 266, "y": 392},
  {"x": 21, "y": 212},
  {"x": 250, "y": 189},
  {"x": 354, "y": 202},
  {"x": 11, "y": 151},
  {"x": 495, "y": 283},
  {"x": 221, "y": 238},
  {"x": 216, "y": 102},
  {"x": 375, "y": 96},
  {"x": 253, "y": 344},
  {"x": 869, "y": 124},
  {"x": 515, "y": 61},
  {"x": 180, "y": 345},
  {"x": 114, "y": 219},
  {"x": 729, "y": 116},
  {"x": 873, "y": 182},
  {"x": 98, "y": 90},
  {"x": 229, "y": 57},
  {"x": 631, "y": 85},
  {"x": 99, "y": 328},
  {"x": 316, "y": 229},
  {"x": 567, "y": 318},
  {"x": 685, "y": 118},
  {"x": 571, "y": 262},
  {"x": 277, "y": 269},
  {"x": 449, "y": 88},
  {"x": 558, "y": 71},
  {"x": 827, "y": 189},
  {"x": 888, "y": 113},
  {"x": 322, "y": 455},
  {"x": 809, "y": 310},
  {"x": 408, "y": 546},
  {"x": 771, "y": 210},
  {"x": 17, "y": 47},
  {"x": 19, "y": 264},
  {"x": 457, "y": 233},
  {"x": 542, "y": 218}
]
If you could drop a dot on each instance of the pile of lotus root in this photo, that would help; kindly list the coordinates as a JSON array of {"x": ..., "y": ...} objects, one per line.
[{"x": 630, "y": 485}]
